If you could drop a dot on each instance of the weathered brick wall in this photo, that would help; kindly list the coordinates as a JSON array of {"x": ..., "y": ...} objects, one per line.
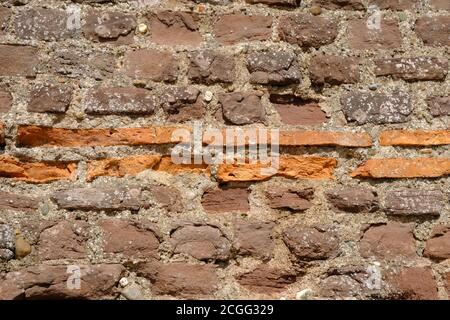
[{"x": 360, "y": 204}]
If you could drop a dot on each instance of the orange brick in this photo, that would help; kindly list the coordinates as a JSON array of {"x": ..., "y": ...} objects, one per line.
[
  {"x": 36, "y": 172},
  {"x": 318, "y": 138},
  {"x": 296, "y": 138},
  {"x": 403, "y": 168},
  {"x": 415, "y": 138},
  {"x": 34, "y": 136},
  {"x": 166, "y": 164},
  {"x": 296, "y": 167},
  {"x": 120, "y": 167}
]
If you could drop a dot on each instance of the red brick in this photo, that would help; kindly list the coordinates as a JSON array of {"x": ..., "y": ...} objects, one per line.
[
  {"x": 167, "y": 165},
  {"x": 150, "y": 64},
  {"x": 363, "y": 37},
  {"x": 233, "y": 28},
  {"x": 324, "y": 138},
  {"x": 174, "y": 28},
  {"x": 18, "y": 60}
]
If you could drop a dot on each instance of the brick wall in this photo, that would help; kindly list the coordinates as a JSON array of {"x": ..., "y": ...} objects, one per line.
[{"x": 91, "y": 92}]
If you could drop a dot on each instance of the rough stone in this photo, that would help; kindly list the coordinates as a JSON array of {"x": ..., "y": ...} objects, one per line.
[
  {"x": 290, "y": 198},
  {"x": 120, "y": 101},
  {"x": 439, "y": 106},
  {"x": 50, "y": 98},
  {"x": 51, "y": 282},
  {"x": 266, "y": 279},
  {"x": 109, "y": 26},
  {"x": 63, "y": 240},
  {"x": 297, "y": 111},
  {"x": 309, "y": 243},
  {"x": 174, "y": 28},
  {"x": 392, "y": 240},
  {"x": 129, "y": 238},
  {"x": 414, "y": 202},
  {"x": 201, "y": 241},
  {"x": 273, "y": 67},
  {"x": 437, "y": 246},
  {"x": 307, "y": 30},
  {"x": 183, "y": 104},
  {"x": 254, "y": 238},
  {"x": 377, "y": 108},
  {"x": 242, "y": 107},
  {"x": 333, "y": 70},
  {"x": 353, "y": 199},
  {"x": 413, "y": 69},
  {"x": 98, "y": 199},
  {"x": 209, "y": 67},
  {"x": 234, "y": 28},
  {"x": 226, "y": 200}
]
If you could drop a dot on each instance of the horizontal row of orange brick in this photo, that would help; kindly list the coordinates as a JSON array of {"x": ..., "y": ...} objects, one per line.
[
  {"x": 36, "y": 136},
  {"x": 290, "y": 166}
]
